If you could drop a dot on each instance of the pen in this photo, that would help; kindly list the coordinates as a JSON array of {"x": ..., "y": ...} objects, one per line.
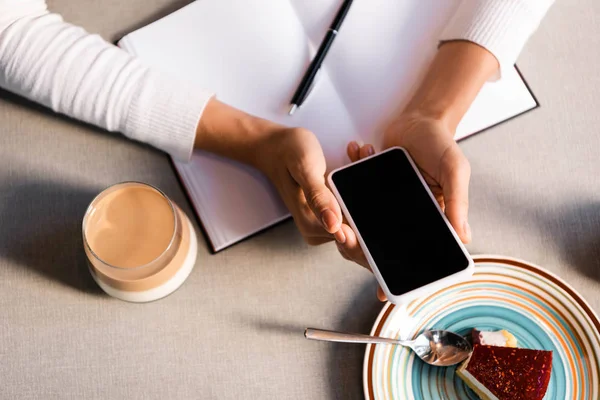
[{"x": 315, "y": 65}]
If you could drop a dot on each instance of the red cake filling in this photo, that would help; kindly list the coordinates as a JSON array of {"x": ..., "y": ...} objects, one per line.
[{"x": 512, "y": 373}]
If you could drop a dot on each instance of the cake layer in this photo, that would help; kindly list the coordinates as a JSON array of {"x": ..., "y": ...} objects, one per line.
[
  {"x": 497, "y": 338},
  {"x": 508, "y": 373}
]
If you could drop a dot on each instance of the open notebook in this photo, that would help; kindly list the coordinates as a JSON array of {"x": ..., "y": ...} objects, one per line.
[{"x": 253, "y": 54}]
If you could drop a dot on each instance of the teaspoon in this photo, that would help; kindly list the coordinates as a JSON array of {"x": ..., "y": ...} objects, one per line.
[{"x": 436, "y": 347}]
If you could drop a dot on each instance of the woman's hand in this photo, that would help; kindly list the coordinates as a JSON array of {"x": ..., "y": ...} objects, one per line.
[
  {"x": 442, "y": 164},
  {"x": 291, "y": 158},
  {"x": 426, "y": 128}
]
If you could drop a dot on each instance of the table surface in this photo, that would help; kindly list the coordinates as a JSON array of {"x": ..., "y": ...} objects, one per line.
[{"x": 234, "y": 330}]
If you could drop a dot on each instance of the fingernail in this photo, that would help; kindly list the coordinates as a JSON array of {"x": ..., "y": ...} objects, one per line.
[
  {"x": 329, "y": 220},
  {"x": 354, "y": 146},
  {"x": 467, "y": 229},
  {"x": 371, "y": 150},
  {"x": 340, "y": 236}
]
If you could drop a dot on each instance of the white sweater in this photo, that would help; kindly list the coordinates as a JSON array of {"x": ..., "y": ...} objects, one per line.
[{"x": 63, "y": 67}]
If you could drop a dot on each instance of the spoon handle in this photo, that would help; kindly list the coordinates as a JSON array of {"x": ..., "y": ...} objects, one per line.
[{"x": 333, "y": 336}]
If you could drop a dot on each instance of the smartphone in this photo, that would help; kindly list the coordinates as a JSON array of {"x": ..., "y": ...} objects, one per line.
[{"x": 408, "y": 241}]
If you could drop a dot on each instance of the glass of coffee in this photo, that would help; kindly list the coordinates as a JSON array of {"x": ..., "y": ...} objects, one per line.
[{"x": 140, "y": 246}]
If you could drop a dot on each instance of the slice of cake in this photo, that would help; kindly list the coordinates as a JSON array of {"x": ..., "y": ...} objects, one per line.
[{"x": 507, "y": 373}]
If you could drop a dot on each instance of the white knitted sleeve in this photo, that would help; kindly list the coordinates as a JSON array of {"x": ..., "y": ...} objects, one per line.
[
  {"x": 81, "y": 75},
  {"x": 500, "y": 26}
]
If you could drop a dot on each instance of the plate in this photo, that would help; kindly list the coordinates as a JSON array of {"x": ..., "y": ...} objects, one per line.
[{"x": 539, "y": 308}]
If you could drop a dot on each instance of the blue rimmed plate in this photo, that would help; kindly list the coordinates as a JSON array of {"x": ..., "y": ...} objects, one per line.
[{"x": 539, "y": 308}]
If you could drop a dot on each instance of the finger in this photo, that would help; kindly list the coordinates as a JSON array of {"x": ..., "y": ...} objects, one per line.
[
  {"x": 342, "y": 251},
  {"x": 321, "y": 201},
  {"x": 311, "y": 229},
  {"x": 366, "y": 151},
  {"x": 351, "y": 247},
  {"x": 440, "y": 200},
  {"x": 380, "y": 295},
  {"x": 353, "y": 151},
  {"x": 456, "y": 173},
  {"x": 352, "y": 251}
]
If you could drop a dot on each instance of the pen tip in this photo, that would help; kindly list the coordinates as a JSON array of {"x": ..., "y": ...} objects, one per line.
[{"x": 292, "y": 109}]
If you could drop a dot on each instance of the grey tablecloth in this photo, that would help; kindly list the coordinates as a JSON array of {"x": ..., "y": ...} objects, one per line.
[{"x": 234, "y": 330}]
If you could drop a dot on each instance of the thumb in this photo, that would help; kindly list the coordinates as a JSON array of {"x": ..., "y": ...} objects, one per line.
[
  {"x": 321, "y": 200},
  {"x": 456, "y": 173}
]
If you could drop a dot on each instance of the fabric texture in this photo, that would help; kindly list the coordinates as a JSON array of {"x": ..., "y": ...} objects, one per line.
[{"x": 81, "y": 75}]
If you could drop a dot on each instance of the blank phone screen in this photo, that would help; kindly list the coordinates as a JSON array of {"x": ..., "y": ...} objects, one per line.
[{"x": 400, "y": 224}]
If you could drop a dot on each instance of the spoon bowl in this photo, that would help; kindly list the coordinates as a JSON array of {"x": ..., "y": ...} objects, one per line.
[{"x": 435, "y": 347}]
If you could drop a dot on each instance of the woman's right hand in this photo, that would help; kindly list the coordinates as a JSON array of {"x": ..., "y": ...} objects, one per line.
[{"x": 291, "y": 158}]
